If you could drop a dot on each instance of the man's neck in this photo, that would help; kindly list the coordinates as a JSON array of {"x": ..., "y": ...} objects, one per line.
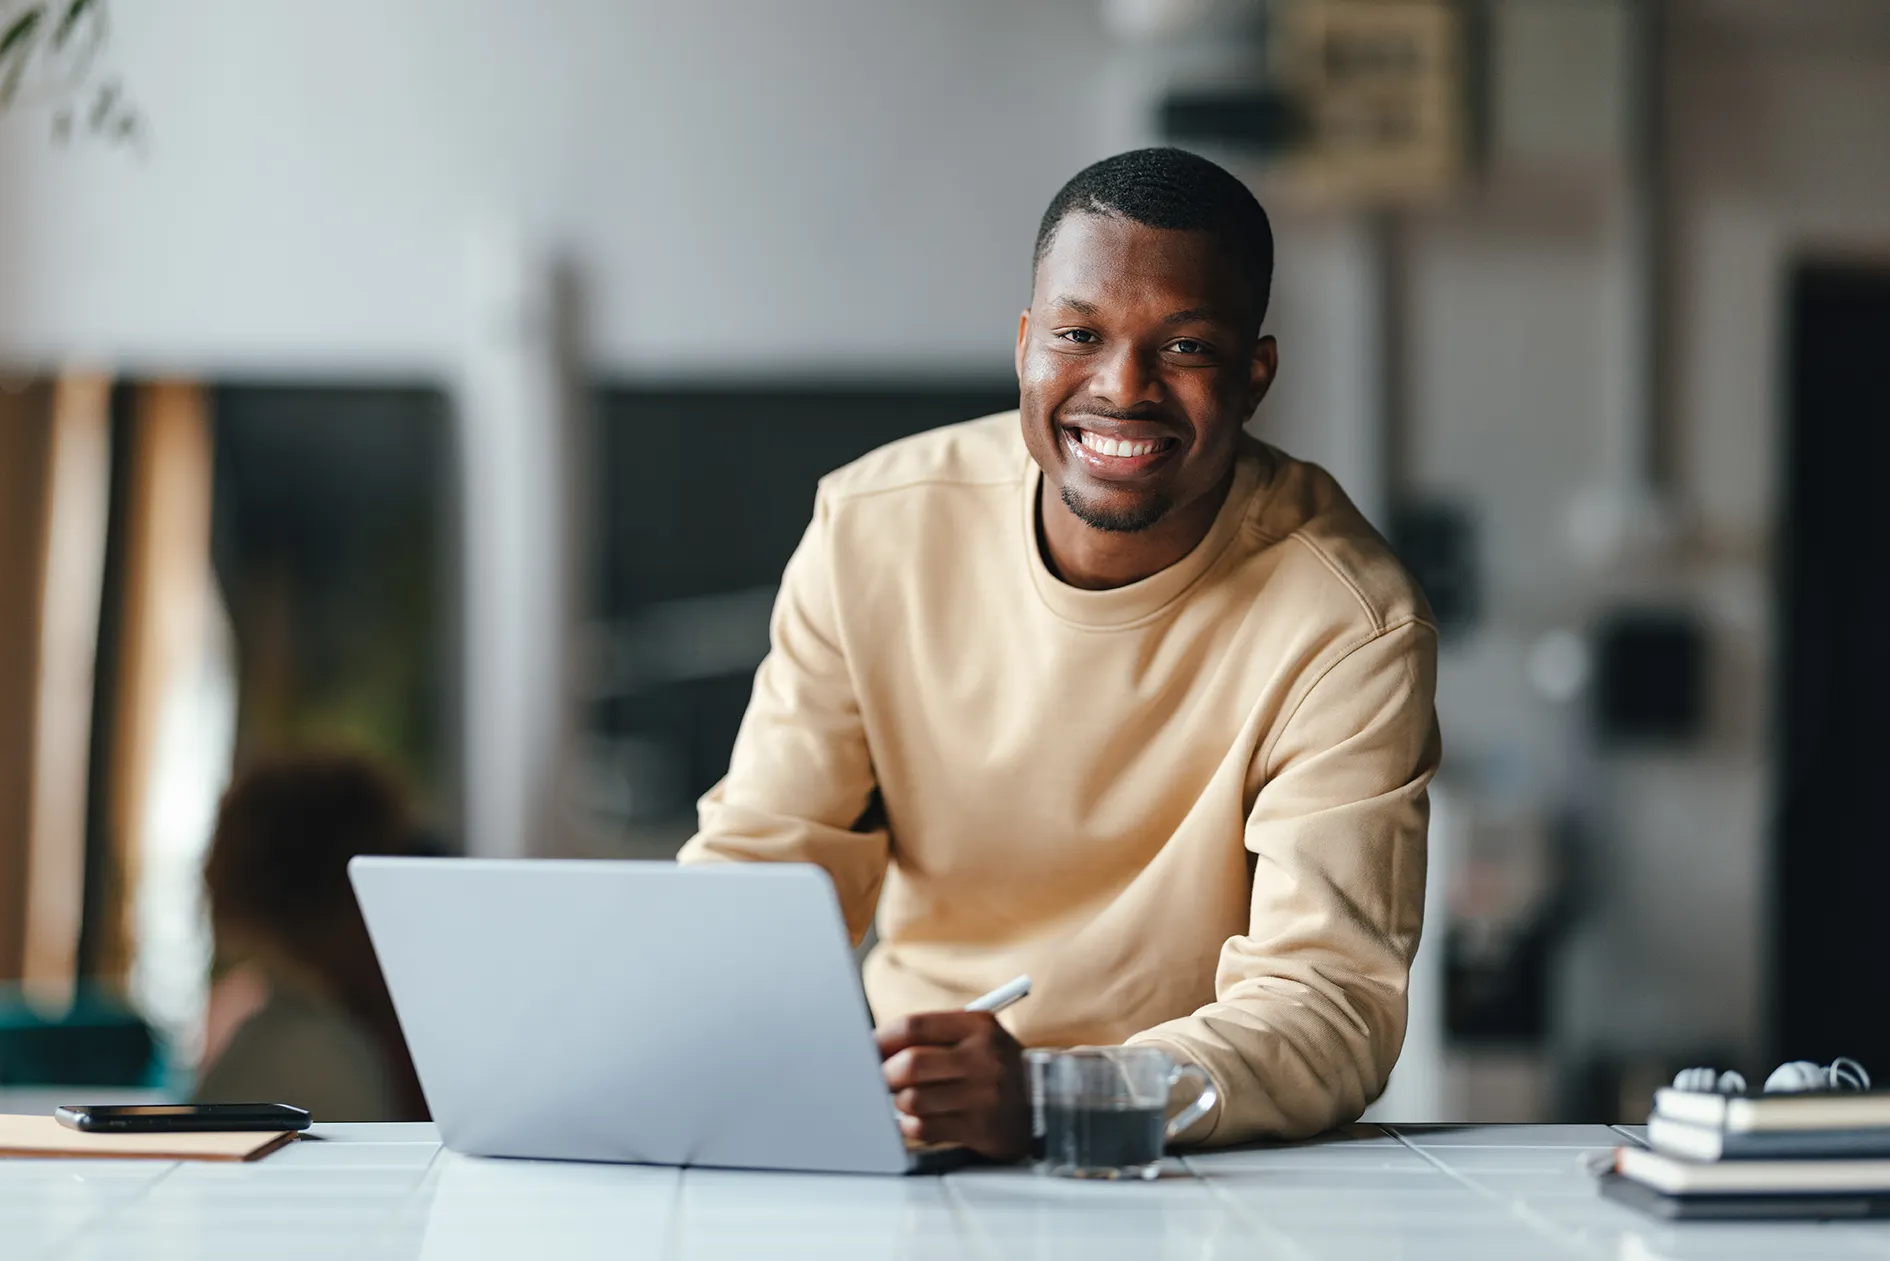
[{"x": 1097, "y": 560}]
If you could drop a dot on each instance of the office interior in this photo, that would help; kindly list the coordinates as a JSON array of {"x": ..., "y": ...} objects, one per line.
[{"x": 448, "y": 382}]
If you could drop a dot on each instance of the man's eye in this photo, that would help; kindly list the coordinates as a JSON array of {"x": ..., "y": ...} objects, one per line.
[
  {"x": 1188, "y": 346},
  {"x": 1081, "y": 336}
]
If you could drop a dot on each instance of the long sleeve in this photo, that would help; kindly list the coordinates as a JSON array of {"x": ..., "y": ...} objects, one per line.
[
  {"x": 800, "y": 778},
  {"x": 1310, "y": 1004}
]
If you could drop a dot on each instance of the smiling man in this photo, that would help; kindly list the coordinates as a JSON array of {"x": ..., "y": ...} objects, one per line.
[{"x": 1108, "y": 692}]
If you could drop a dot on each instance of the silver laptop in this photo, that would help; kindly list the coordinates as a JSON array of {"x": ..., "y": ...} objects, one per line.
[{"x": 628, "y": 1011}]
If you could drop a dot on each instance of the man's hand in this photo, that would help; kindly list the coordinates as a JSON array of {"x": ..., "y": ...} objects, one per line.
[{"x": 958, "y": 1077}]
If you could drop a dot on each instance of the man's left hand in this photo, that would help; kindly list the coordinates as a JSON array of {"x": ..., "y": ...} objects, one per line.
[{"x": 958, "y": 1077}]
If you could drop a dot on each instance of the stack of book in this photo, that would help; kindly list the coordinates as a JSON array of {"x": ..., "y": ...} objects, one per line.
[{"x": 1777, "y": 1155}]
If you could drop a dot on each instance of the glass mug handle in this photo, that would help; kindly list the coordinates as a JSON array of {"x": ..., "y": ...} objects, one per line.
[{"x": 1208, "y": 1097}]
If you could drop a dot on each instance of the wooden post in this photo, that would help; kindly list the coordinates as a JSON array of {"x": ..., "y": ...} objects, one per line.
[
  {"x": 25, "y": 438},
  {"x": 166, "y": 576},
  {"x": 76, "y": 507}
]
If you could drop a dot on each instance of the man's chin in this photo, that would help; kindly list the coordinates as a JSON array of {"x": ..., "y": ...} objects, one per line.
[{"x": 1118, "y": 514}]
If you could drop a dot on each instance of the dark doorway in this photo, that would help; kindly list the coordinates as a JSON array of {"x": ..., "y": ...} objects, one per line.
[
  {"x": 331, "y": 535},
  {"x": 1831, "y": 944},
  {"x": 703, "y": 493}
]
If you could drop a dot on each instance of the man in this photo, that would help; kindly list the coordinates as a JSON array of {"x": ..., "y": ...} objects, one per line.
[{"x": 1107, "y": 692}]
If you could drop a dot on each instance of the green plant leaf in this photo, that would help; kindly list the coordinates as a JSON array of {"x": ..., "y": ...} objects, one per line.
[
  {"x": 74, "y": 11},
  {"x": 17, "y": 43}
]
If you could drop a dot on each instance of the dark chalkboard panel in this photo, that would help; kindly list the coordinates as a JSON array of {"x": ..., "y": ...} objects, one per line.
[{"x": 703, "y": 491}]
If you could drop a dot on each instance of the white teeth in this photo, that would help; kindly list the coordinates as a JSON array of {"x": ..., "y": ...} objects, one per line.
[{"x": 1114, "y": 446}]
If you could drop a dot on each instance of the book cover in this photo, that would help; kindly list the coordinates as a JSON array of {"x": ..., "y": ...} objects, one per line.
[
  {"x": 1741, "y": 1207},
  {"x": 1760, "y": 1177},
  {"x": 1817, "y": 1110},
  {"x": 1710, "y": 1143}
]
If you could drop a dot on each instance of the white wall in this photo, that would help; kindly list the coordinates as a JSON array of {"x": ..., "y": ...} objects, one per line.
[{"x": 749, "y": 186}]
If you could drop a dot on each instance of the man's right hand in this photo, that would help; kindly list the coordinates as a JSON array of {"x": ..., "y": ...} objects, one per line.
[{"x": 958, "y": 1077}]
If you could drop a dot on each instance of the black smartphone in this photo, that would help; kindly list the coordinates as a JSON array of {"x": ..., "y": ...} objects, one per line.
[{"x": 170, "y": 1118}]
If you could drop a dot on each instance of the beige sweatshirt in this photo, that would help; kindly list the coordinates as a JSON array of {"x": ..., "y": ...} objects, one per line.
[{"x": 1192, "y": 808}]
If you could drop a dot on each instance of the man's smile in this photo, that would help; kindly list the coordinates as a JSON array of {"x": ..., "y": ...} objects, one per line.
[{"x": 1112, "y": 454}]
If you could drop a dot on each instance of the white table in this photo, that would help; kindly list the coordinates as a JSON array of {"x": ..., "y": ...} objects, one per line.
[{"x": 374, "y": 1192}]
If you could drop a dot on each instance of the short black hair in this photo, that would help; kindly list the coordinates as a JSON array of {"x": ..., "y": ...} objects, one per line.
[{"x": 1176, "y": 190}]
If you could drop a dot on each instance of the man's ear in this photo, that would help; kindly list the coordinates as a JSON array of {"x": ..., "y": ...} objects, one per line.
[
  {"x": 1261, "y": 370},
  {"x": 1023, "y": 332}
]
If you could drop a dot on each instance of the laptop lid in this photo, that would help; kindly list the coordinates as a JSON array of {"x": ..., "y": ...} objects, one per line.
[{"x": 629, "y": 1011}]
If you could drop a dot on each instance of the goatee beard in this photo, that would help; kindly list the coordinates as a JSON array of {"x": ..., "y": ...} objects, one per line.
[{"x": 1127, "y": 521}]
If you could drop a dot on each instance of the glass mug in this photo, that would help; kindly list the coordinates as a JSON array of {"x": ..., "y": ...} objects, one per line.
[{"x": 1101, "y": 1112}]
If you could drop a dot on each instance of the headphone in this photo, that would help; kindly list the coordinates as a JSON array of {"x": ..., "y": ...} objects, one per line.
[
  {"x": 1795, "y": 1077},
  {"x": 1708, "y": 1081}
]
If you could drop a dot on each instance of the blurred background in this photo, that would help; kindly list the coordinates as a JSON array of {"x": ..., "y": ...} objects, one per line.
[{"x": 447, "y": 383}]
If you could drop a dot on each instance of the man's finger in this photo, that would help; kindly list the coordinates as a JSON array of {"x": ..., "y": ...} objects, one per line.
[
  {"x": 931, "y": 1028},
  {"x": 968, "y": 1128},
  {"x": 947, "y": 1097},
  {"x": 919, "y": 1065}
]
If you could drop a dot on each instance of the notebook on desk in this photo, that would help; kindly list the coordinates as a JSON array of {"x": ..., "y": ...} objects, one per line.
[
  {"x": 636, "y": 1012},
  {"x": 1701, "y": 1126},
  {"x": 1833, "y": 1109},
  {"x": 43, "y": 1138},
  {"x": 1829, "y": 1206}
]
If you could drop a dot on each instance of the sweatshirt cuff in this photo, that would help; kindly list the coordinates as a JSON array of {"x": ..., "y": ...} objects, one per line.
[{"x": 1184, "y": 1093}]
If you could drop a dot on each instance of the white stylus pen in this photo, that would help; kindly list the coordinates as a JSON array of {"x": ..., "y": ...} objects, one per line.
[{"x": 1001, "y": 997}]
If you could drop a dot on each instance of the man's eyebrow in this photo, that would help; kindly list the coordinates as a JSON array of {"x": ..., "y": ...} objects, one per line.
[
  {"x": 1195, "y": 314},
  {"x": 1087, "y": 309}
]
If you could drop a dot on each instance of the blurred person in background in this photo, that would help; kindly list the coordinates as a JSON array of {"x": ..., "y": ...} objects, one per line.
[{"x": 299, "y": 1012}]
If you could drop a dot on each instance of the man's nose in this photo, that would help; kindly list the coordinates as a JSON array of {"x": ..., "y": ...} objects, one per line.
[{"x": 1127, "y": 378}]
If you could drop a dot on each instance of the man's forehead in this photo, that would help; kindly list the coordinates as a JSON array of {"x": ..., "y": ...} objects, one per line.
[{"x": 1097, "y": 261}]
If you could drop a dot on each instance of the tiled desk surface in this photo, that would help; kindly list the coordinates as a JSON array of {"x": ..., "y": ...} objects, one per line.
[{"x": 376, "y": 1192}]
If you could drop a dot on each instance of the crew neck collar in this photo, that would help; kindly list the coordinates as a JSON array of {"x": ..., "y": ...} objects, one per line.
[{"x": 1127, "y": 605}]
